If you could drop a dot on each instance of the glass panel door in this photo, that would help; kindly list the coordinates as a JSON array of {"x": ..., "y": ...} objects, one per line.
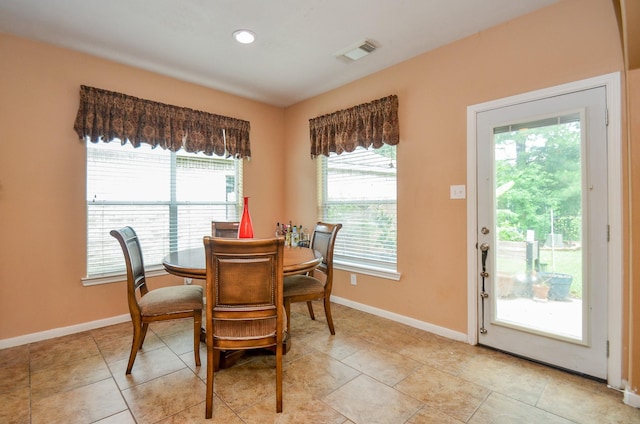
[{"x": 542, "y": 230}]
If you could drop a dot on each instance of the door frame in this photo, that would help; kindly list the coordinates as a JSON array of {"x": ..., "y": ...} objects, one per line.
[{"x": 614, "y": 181}]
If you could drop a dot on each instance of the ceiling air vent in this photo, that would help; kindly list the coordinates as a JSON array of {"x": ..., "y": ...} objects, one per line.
[{"x": 356, "y": 51}]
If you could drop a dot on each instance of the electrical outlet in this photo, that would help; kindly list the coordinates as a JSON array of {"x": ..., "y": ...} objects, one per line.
[
  {"x": 188, "y": 281},
  {"x": 353, "y": 280}
]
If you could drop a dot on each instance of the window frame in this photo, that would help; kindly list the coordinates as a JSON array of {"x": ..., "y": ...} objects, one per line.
[
  {"x": 172, "y": 204},
  {"x": 346, "y": 262}
]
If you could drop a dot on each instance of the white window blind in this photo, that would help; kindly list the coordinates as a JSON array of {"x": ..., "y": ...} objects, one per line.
[
  {"x": 169, "y": 198},
  {"x": 358, "y": 190}
]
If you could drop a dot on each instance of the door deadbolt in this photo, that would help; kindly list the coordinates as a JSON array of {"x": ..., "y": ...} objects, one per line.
[{"x": 484, "y": 230}]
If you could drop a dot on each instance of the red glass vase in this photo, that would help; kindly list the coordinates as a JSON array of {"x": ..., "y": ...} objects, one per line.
[{"x": 245, "y": 230}]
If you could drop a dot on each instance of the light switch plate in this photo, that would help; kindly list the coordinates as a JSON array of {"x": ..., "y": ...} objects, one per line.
[{"x": 458, "y": 192}]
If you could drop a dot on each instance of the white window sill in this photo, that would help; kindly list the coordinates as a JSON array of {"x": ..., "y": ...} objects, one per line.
[
  {"x": 119, "y": 277},
  {"x": 367, "y": 270}
]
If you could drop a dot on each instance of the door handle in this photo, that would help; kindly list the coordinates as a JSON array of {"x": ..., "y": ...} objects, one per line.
[{"x": 484, "y": 247}]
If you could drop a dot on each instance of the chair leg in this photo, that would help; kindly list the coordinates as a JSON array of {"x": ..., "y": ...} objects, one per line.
[
  {"x": 135, "y": 344},
  {"x": 287, "y": 311},
  {"x": 197, "y": 326},
  {"x": 327, "y": 312},
  {"x": 310, "y": 307},
  {"x": 143, "y": 335},
  {"x": 279, "y": 377},
  {"x": 210, "y": 368}
]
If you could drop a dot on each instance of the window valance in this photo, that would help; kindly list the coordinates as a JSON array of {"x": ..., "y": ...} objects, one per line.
[
  {"x": 374, "y": 123},
  {"x": 107, "y": 115}
]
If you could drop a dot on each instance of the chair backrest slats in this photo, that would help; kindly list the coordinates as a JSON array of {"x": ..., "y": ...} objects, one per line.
[
  {"x": 323, "y": 240},
  {"x": 224, "y": 229},
  {"x": 134, "y": 261}
]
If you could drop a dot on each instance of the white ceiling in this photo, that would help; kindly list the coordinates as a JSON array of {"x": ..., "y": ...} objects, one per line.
[{"x": 293, "y": 57}]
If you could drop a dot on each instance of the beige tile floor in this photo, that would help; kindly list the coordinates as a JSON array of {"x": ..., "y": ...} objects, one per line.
[{"x": 372, "y": 371}]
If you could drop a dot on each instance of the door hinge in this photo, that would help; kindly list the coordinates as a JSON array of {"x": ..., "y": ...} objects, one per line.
[
  {"x": 608, "y": 233},
  {"x": 607, "y": 348},
  {"x": 606, "y": 117}
]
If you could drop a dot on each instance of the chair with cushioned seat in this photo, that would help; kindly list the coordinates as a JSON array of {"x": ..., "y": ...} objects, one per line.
[
  {"x": 317, "y": 284},
  {"x": 165, "y": 303},
  {"x": 244, "y": 302}
]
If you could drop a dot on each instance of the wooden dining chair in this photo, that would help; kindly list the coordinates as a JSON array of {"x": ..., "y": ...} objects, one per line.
[
  {"x": 317, "y": 284},
  {"x": 147, "y": 306},
  {"x": 244, "y": 302},
  {"x": 224, "y": 229}
]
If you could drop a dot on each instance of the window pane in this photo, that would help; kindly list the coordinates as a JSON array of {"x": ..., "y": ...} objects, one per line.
[
  {"x": 133, "y": 174},
  {"x": 359, "y": 191},
  {"x": 194, "y": 222},
  {"x": 169, "y": 198},
  {"x": 201, "y": 178}
]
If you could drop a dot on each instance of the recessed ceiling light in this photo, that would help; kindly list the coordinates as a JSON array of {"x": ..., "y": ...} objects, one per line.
[{"x": 244, "y": 36}]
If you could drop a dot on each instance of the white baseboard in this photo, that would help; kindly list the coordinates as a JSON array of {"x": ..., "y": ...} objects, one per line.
[
  {"x": 631, "y": 399},
  {"x": 440, "y": 331},
  {"x": 63, "y": 331}
]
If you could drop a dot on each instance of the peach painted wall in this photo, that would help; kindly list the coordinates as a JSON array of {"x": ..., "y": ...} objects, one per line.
[
  {"x": 42, "y": 178},
  {"x": 570, "y": 41}
]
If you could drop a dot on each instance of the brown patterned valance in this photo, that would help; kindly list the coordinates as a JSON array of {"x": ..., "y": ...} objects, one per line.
[
  {"x": 374, "y": 123},
  {"x": 107, "y": 115}
]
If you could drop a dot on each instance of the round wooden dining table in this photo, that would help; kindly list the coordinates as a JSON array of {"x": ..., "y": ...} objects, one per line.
[{"x": 191, "y": 263}]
